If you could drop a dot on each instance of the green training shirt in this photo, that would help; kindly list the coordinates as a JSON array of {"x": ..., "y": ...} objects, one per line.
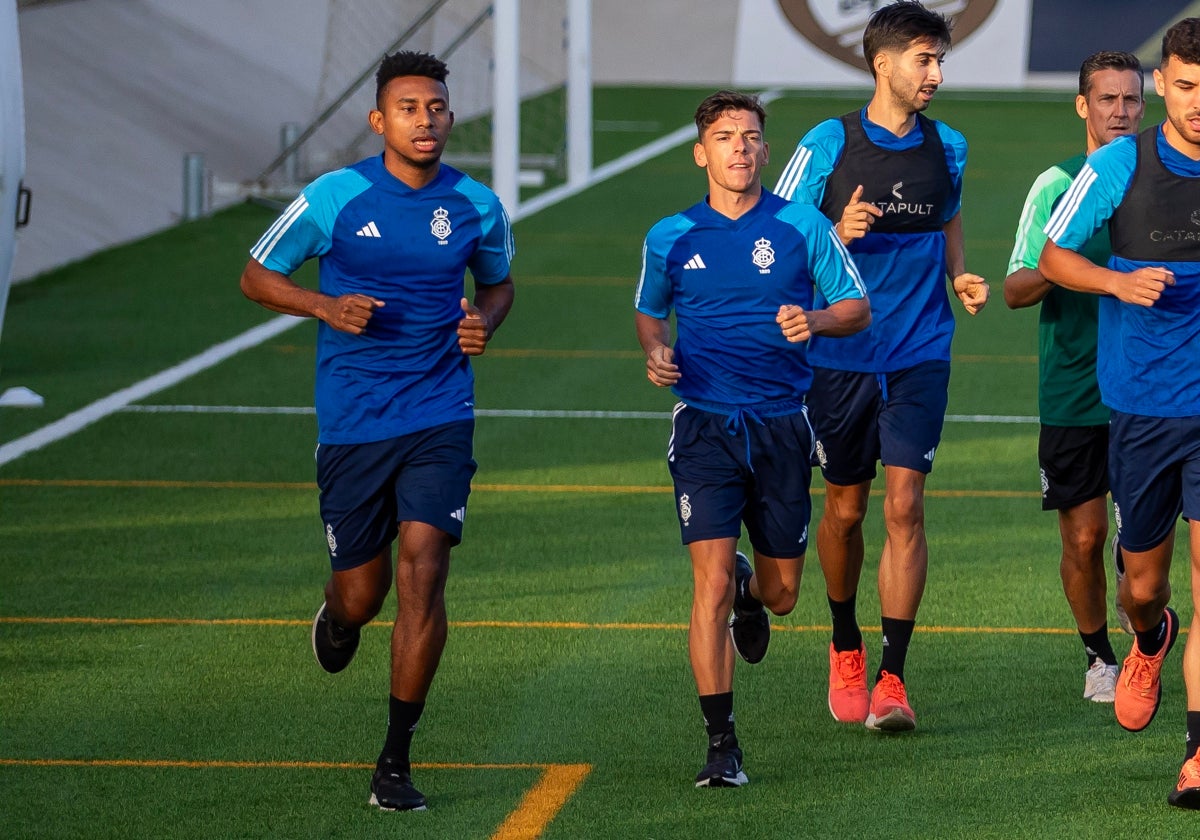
[{"x": 1068, "y": 394}]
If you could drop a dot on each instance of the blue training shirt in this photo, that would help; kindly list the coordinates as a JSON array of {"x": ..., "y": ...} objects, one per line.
[
  {"x": 376, "y": 236},
  {"x": 905, "y": 273},
  {"x": 1147, "y": 356},
  {"x": 726, "y": 279}
]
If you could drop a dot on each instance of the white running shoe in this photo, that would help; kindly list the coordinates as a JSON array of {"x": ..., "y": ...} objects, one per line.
[
  {"x": 1100, "y": 682},
  {"x": 1122, "y": 616}
]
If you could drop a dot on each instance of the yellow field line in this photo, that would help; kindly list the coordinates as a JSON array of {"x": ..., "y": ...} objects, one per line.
[
  {"x": 542, "y": 802},
  {"x": 515, "y": 625},
  {"x": 536, "y": 810},
  {"x": 165, "y": 484}
]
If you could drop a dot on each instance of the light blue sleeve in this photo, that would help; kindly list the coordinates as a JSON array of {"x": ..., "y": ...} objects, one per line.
[
  {"x": 829, "y": 263},
  {"x": 653, "y": 296},
  {"x": 803, "y": 179},
  {"x": 492, "y": 260},
  {"x": 956, "y": 162},
  {"x": 1093, "y": 196},
  {"x": 305, "y": 229}
]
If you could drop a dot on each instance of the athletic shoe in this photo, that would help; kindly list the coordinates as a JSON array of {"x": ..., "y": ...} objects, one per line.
[
  {"x": 724, "y": 763},
  {"x": 333, "y": 646},
  {"x": 1187, "y": 789},
  {"x": 1122, "y": 616},
  {"x": 849, "y": 699},
  {"x": 889, "y": 711},
  {"x": 392, "y": 788},
  {"x": 1100, "y": 682},
  {"x": 749, "y": 626},
  {"x": 1139, "y": 688}
]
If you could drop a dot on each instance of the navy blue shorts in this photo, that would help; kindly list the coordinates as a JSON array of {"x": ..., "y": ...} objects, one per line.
[
  {"x": 1154, "y": 466},
  {"x": 1074, "y": 465},
  {"x": 368, "y": 489},
  {"x": 894, "y": 418},
  {"x": 756, "y": 471}
]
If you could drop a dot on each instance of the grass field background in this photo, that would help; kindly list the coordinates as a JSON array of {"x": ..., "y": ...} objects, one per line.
[{"x": 159, "y": 569}]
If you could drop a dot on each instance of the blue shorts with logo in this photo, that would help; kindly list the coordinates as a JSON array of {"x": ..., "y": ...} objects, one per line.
[
  {"x": 743, "y": 468},
  {"x": 1154, "y": 468},
  {"x": 368, "y": 489},
  {"x": 893, "y": 418}
]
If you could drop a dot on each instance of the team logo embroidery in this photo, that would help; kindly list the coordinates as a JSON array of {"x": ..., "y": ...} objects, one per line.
[
  {"x": 763, "y": 256},
  {"x": 1117, "y": 516},
  {"x": 821, "y": 458},
  {"x": 329, "y": 538},
  {"x": 1045, "y": 483},
  {"x": 685, "y": 508},
  {"x": 836, "y": 26},
  {"x": 1196, "y": 218},
  {"x": 440, "y": 226}
]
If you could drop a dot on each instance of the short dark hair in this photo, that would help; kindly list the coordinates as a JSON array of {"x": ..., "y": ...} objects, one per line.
[
  {"x": 1108, "y": 60},
  {"x": 723, "y": 101},
  {"x": 897, "y": 25},
  {"x": 408, "y": 63},
  {"x": 1182, "y": 41}
]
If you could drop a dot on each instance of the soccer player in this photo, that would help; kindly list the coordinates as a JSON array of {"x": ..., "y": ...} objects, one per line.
[
  {"x": 738, "y": 269},
  {"x": 1147, "y": 189},
  {"x": 1073, "y": 440},
  {"x": 394, "y": 235},
  {"x": 891, "y": 179}
]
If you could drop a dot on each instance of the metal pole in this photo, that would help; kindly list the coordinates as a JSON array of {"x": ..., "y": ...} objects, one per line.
[
  {"x": 288, "y": 133},
  {"x": 194, "y": 203}
]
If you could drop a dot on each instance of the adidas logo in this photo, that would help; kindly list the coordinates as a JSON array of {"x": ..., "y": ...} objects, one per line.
[
  {"x": 929, "y": 455},
  {"x": 370, "y": 230},
  {"x": 461, "y": 512},
  {"x": 694, "y": 262}
]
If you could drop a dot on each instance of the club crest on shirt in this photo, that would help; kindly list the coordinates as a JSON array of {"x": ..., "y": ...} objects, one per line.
[
  {"x": 836, "y": 26},
  {"x": 440, "y": 226},
  {"x": 763, "y": 256}
]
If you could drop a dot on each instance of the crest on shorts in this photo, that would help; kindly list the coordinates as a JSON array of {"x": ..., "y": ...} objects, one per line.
[{"x": 836, "y": 26}]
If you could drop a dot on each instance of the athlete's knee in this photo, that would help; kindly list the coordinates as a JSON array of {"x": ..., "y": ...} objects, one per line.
[
  {"x": 904, "y": 511},
  {"x": 780, "y": 599},
  {"x": 1083, "y": 546}
]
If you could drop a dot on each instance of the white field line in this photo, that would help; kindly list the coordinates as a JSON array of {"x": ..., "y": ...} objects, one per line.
[
  {"x": 529, "y": 413},
  {"x": 118, "y": 400}
]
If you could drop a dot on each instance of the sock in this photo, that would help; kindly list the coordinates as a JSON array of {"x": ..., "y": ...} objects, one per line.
[
  {"x": 1098, "y": 646},
  {"x": 1151, "y": 641},
  {"x": 896, "y": 634},
  {"x": 402, "y": 722},
  {"x": 1193, "y": 734},
  {"x": 718, "y": 713},
  {"x": 846, "y": 633},
  {"x": 1118, "y": 558}
]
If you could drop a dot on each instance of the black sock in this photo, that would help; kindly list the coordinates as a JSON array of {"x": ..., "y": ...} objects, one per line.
[
  {"x": 896, "y": 634},
  {"x": 1098, "y": 646},
  {"x": 846, "y": 633},
  {"x": 718, "y": 713},
  {"x": 402, "y": 721},
  {"x": 1193, "y": 734},
  {"x": 1151, "y": 641}
]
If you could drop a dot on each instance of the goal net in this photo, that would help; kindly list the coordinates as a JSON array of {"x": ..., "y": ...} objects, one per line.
[{"x": 510, "y": 84}]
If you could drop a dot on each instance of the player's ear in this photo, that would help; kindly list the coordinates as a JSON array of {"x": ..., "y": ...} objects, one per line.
[
  {"x": 882, "y": 63},
  {"x": 375, "y": 120},
  {"x": 1160, "y": 85},
  {"x": 699, "y": 155},
  {"x": 1081, "y": 106}
]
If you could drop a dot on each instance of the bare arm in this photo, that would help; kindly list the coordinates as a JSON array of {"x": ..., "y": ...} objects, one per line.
[
  {"x": 969, "y": 288},
  {"x": 654, "y": 334},
  {"x": 1072, "y": 270},
  {"x": 1025, "y": 287},
  {"x": 279, "y": 293},
  {"x": 845, "y": 317},
  {"x": 484, "y": 316}
]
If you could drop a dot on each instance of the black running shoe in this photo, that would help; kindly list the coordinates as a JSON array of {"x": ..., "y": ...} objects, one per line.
[
  {"x": 749, "y": 626},
  {"x": 333, "y": 646},
  {"x": 724, "y": 767},
  {"x": 392, "y": 788}
]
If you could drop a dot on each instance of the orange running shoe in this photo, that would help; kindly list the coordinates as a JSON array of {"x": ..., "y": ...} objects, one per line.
[
  {"x": 889, "y": 710},
  {"x": 1139, "y": 688},
  {"x": 848, "y": 695},
  {"x": 1187, "y": 789}
]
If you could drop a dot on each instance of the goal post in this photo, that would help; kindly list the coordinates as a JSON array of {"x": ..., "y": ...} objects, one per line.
[{"x": 520, "y": 86}]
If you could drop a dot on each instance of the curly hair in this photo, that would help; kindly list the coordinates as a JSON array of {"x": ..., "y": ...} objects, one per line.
[
  {"x": 408, "y": 63},
  {"x": 1182, "y": 41}
]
